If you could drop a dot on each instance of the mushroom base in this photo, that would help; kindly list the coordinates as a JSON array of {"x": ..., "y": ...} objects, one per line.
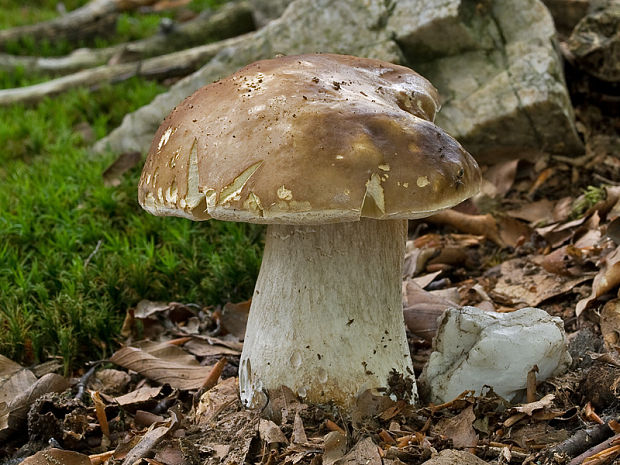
[{"x": 326, "y": 319}]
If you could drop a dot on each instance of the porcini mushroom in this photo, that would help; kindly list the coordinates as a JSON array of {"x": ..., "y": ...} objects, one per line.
[{"x": 334, "y": 153}]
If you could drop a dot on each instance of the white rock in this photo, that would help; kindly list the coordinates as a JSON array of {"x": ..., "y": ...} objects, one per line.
[{"x": 474, "y": 348}]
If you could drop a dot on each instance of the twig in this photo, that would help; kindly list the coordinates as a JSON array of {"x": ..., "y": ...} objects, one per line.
[
  {"x": 611, "y": 442},
  {"x": 92, "y": 254},
  {"x": 580, "y": 441},
  {"x": 81, "y": 385}
]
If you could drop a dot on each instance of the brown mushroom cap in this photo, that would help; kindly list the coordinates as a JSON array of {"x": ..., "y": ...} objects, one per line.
[{"x": 307, "y": 139}]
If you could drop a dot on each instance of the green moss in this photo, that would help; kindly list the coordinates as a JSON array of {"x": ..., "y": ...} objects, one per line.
[{"x": 57, "y": 296}]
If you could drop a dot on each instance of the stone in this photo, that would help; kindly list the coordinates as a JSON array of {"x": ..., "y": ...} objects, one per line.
[
  {"x": 474, "y": 348},
  {"x": 494, "y": 63},
  {"x": 451, "y": 457},
  {"x": 595, "y": 42},
  {"x": 264, "y": 11}
]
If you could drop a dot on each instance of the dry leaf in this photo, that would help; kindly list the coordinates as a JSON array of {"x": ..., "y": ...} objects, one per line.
[
  {"x": 270, "y": 432},
  {"x": 528, "y": 409},
  {"x": 299, "y": 433},
  {"x": 422, "y": 310},
  {"x": 364, "y": 452},
  {"x": 57, "y": 457},
  {"x": 605, "y": 280},
  {"x": 234, "y": 318},
  {"x": 501, "y": 176},
  {"x": 178, "y": 375},
  {"x": 138, "y": 396},
  {"x": 14, "y": 379},
  {"x": 15, "y": 412},
  {"x": 150, "y": 439},
  {"x": 211, "y": 347},
  {"x": 534, "y": 212},
  {"x": 523, "y": 282},
  {"x": 610, "y": 325},
  {"x": 213, "y": 401},
  {"x": 482, "y": 225},
  {"x": 460, "y": 428},
  {"x": 335, "y": 446}
]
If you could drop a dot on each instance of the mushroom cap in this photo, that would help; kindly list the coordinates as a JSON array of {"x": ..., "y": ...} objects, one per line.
[{"x": 304, "y": 140}]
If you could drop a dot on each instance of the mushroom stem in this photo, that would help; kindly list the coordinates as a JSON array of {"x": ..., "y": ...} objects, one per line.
[{"x": 326, "y": 319}]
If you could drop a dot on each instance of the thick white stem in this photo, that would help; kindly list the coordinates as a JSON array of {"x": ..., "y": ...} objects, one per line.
[{"x": 326, "y": 319}]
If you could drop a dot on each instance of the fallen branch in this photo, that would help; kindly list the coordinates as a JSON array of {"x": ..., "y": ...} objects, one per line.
[
  {"x": 579, "y": 442},
  {"x": 231, "y": 20},
  {"x": 87, "y": 21},
  {"x": 174, "y": 64},
  {"x": 612, "y": 442}
]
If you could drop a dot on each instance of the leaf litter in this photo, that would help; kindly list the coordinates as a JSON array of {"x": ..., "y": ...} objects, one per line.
[{"x": 542, "y": 232}]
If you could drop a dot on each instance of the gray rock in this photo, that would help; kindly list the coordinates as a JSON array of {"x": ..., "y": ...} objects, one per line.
[
  {"x": 266, "y": 10},
  {"x": 474, "y": 348},
  {"x": 496, "y": 67},
  {"x": 494, "y": 64},
  {"x": 595, "y": 42}
]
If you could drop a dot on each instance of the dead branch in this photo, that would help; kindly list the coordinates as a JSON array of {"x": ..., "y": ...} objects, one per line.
[
  {"x": 611, "y": 442},
  {"x": 579, "y": 442},
  {"x": 231, "y": 20},
  {"x": 174, "y": 64},
  {"x": 91, "y": 19}
]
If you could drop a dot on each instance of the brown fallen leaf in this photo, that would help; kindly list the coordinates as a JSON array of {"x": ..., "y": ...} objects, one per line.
[
  {"x": 422, "y": 310},
  {"x": 335, "y": 446},
  {"x": 523, "y": 282},
  {"x": 213, "y": 401},
  {"x": 14, "y": 379},
  {"x": 460, "y": 428},
  {"x": 57, "y": 457},
  {"x": 178, "y": 375},
  {"x": 234, "y": 318},
  {"x": 365, "y": 451},
  {"x": 212, "y": 347},
  {"x": 14, "y": 414},
  {"x": 534, "y": 212},
  {"x": 605, "y": 280},
  {"x": 136, "y": 397},
  {"x": 610, "y": 325},
  {"x": 529, "y": 408},
  {"x": 482, "y": 225},
  {"x": 501, "y": 177},
  {"x": 270, "y": 433},
  {"x": 149, "y": 440}
]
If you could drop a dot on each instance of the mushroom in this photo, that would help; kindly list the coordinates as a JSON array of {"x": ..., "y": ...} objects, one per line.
[{"x": 334, "y": 153}]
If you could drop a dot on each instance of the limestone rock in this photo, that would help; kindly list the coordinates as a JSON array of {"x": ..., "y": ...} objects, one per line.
[
  {"x": 474, "y": 348},
  {"x": 494, "y": 64},
  {"x": 497, "y": 69}
]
